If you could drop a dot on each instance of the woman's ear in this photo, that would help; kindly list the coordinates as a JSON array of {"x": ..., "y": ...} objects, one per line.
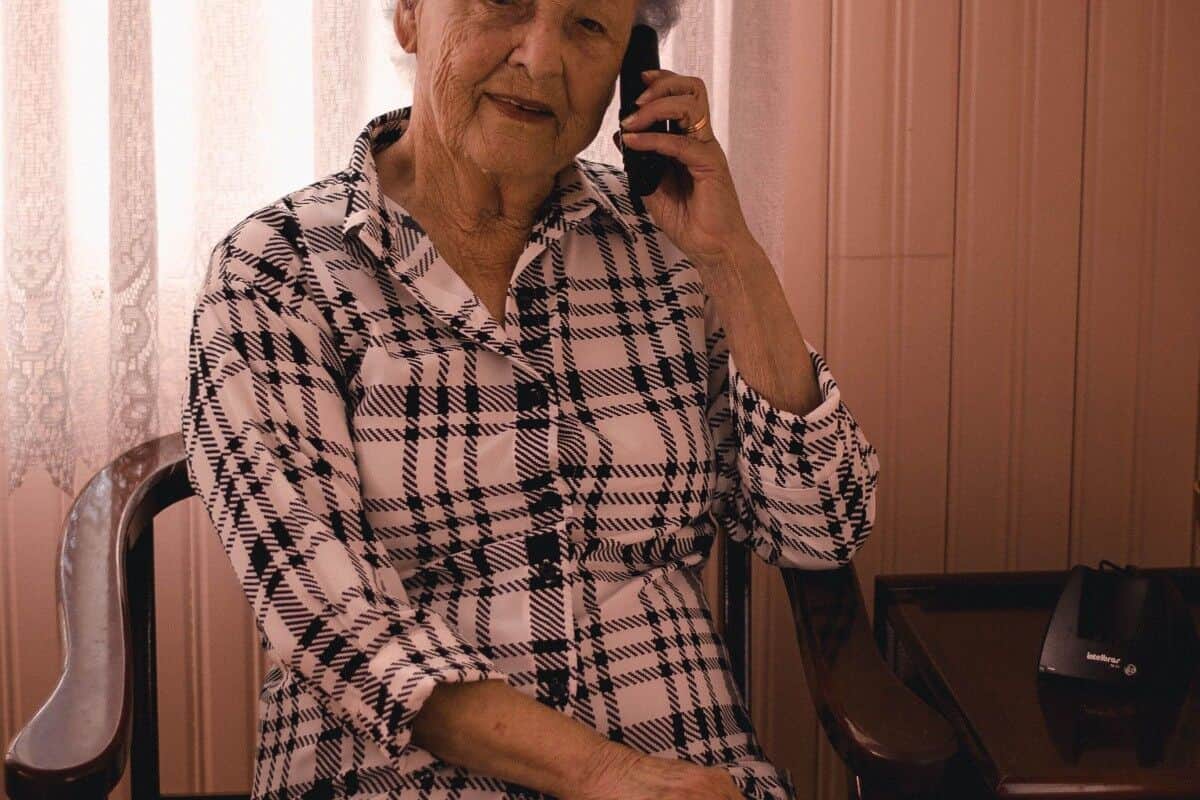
[{"x": 404, "y": 24}]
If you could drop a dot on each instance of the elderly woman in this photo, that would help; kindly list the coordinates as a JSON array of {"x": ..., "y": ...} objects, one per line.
[{"x": 466, "y": 424}]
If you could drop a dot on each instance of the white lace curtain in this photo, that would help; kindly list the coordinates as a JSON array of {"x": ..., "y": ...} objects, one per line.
[{"x": 138, "y": 132}]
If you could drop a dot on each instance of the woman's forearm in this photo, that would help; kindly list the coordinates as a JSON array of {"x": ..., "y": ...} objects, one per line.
[
  {"x": 492, "y": 728},
  {"x": 762, "y": 333}
]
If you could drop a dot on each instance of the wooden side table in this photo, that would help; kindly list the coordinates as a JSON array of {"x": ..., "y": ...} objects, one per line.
[{"x": 968, "y": 643}]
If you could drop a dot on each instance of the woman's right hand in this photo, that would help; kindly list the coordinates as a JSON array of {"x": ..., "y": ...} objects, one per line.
[{"x": 618, "y": 771}]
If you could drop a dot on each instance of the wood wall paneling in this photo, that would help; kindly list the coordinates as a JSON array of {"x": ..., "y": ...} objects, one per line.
[
  {"x": 1015, "y": 276},
  {"x": 1138, "y": 349}
]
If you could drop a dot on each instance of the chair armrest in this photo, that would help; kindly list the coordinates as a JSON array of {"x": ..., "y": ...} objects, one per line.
[
  {"x": 77, "y": 744},
  {"x": 883, "y": 732}
]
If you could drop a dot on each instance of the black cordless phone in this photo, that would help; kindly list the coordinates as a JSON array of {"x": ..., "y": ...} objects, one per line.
[{"x": 645, "y": 168}]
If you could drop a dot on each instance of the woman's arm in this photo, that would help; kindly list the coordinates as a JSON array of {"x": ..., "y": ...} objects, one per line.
[
  {"x": 270, "y": 454},
  {"x": 797, "y": 486},
  {"x": 492, "y": 728}
]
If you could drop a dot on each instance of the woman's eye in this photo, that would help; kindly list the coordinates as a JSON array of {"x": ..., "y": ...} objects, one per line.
[{"x": 593, "y": 25}]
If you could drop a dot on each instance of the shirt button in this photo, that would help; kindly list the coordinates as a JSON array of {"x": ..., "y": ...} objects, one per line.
[{"x": 537, "y": 393}]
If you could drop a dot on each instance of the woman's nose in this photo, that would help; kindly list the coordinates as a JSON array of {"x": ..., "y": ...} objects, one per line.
[{"x": 540, "y": 50}]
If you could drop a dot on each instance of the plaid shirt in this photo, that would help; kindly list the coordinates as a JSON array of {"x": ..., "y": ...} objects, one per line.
[{"x": 411, "y": 493}]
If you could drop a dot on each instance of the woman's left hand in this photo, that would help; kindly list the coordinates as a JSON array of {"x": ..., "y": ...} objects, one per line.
[{"x": 696, "y": 203}]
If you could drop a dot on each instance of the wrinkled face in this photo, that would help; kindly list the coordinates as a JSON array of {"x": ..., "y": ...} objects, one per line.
[{"x": 563, "y": 53}]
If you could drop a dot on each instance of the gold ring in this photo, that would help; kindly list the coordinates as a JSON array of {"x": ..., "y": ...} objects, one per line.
[{"x": 699, "y": 126}]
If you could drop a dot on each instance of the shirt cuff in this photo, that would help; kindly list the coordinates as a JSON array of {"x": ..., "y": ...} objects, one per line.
[{"x": 787, "y": 450}]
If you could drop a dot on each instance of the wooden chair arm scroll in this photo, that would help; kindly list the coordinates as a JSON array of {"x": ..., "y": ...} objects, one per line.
[
  {"x": 77, "y": 743},
  {"x": 884, "y": 732}
]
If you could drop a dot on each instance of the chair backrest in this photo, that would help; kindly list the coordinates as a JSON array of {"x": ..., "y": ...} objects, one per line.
[
  {"x": 107, "y": 552},
  {"x": 104, "y": 708}
]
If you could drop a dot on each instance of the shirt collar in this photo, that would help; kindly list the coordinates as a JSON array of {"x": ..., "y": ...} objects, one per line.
[{"x": 580, "y": 188}]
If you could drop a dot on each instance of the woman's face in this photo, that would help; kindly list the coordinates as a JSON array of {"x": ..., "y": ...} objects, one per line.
[{"x": 564, "y": 53}]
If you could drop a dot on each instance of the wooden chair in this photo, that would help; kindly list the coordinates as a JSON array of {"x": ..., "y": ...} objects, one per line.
[{"x": 103, "y": 711}]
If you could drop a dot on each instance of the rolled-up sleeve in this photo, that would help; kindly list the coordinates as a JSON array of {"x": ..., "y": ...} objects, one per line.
[
  {"x": 800, "y": 489},
  {"x": 269, "y": 453}
]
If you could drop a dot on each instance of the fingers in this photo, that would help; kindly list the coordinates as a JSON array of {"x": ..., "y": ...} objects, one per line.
[
  {"x": 669, "y": 96},
  {"x": 671, "y": 107},
  {"x": 663, "y": 82},
  {"x": 684, "y": 149}
]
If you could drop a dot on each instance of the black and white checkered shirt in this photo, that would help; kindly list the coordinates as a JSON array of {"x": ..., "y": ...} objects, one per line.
[{"x": 411, "y": 493}]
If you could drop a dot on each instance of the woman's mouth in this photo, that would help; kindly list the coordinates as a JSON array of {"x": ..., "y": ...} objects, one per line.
[{"x": 516, "y": 112}]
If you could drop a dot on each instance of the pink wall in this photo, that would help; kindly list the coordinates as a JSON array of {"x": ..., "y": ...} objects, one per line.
[
  {"x": 1007, "y": 288},
  {"x": 994, "y": 237}
]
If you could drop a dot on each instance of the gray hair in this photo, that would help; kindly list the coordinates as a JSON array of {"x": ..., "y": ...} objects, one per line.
[{"x": 662, "y": 15}]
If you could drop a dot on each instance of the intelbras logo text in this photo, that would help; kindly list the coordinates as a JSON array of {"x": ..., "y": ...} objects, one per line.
[{"x": 1113, "y": 660}]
